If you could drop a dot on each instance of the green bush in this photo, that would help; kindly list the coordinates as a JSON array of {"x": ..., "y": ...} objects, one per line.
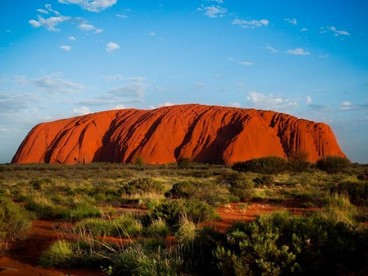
[
  {"x": 138, "y": 260},
  {"x": 140, "y": 186},
  {"x": 157, "y": 228},
  {"x": 82, "y": 211},
  {"x": 60, "y": 254},
  {"x": 172, "y": 211},
  {"x": 14, "y": 222},
  {"x": 184, "y": 163},
  {"x": 211, "y": 193},
  {"x": 298, "y": 161},
  {"x": 261, "y": 181},
  {"x": 284, "y": 244},
  {"x": 242, "y": 188},
  {"x": 125, "y": 226},
  {"x": 267, "y": 165},
  {"x": 333, "y": 164},
  {"x": 356, "y": 191}
]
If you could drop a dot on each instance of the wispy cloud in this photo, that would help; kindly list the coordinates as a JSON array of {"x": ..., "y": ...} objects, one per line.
[
  {"x": 298, "y": 52},
  {"x": 71, "y": 38},
  {"x": 111, "y": 47},
  {"x": 53, "y": 84},
  {"x": 245, "y": 62},
  {"x": 51, "y": 22},
  {"x": 250, "y": 24},
  {"x": 271, "y": 49},
  {"x": 66, "y": 48},
  {"x": 304, "y": 30},
  {"x": 270, "y": 101},
  {"x": 128, "y": 90},
  {"x": 292, "y": 21},
  {"x": 308, "y": 100},
  {"x": 87, "y": 27},
  {"x": 334, "y": 30},
  {"x": 83, "y": 110},
  {"x": 213, "y": 11},
  {"x": 91, "y": 5},
  {"x": 346, "y": 105}
]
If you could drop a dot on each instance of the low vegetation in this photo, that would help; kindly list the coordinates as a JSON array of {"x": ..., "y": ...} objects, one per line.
[{"x": 140, "y": 219}]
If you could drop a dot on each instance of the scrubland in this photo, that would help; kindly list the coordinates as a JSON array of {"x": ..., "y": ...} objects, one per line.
[{"x": 138, "y": 219}]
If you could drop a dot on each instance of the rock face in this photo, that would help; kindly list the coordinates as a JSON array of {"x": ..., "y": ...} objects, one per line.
[{"x": 210, "y": 134}]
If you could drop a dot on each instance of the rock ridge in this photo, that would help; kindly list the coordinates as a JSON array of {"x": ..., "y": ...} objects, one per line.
[{"x": 209, "y": 134}]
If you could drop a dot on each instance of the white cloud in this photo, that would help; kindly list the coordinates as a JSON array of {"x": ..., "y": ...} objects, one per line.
[
  {"x": 217, "y": 1},
  {"x": 54, "y": 84},
  {"x": 166, "y": 104},
  {"x": 72, "y": 38},
  {"x": 91, "y": 5},
  {"x": 270, "y": 101},
  {"x": 271, "y": 49},
  {"x": 84, "y": 26},
  {"x": 111, "y": 47},
  {"x": 247, "y": 63},
  {"x": 43, "y": 11},
  {"x": 51, "y": 22},
  {"x": 83, "y": 110},
  {"x": 213, "y": 11},
  {"x": 119, "y": 106},
  {"x": 235, "y": 104},
  {"x": 308, "y": 100},
  {"x": 346, "y": 105},
  {"x": 334, "y": 30},
  {"x": 250, "y": 24},
  {"x": 304, "y": 30},
  {"x": 131, "y": 91},
  {"x": 292, "y": 21},
  {"x": 298, "y": 52},
  {"x": 66, "y": 48}
]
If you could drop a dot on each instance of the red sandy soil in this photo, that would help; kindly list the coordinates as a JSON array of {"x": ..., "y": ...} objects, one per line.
[
  {"x": 233, "y": 212},
  {"x": 23, "y": 257},
  {"x": 209, "y": 134}
]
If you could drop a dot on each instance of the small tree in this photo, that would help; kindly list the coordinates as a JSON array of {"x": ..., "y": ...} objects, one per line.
[
  {"x": 184, "y": 163},
  {"x": 333, "y": 164},
  {"x": 268, "y": 165},
  {"x": 298, "y": 161}
]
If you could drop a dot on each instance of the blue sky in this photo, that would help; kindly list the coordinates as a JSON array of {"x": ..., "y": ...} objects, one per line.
[{"x": 63, "y": 58}]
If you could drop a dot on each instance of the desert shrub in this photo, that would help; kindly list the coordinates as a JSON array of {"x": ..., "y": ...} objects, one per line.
[
  {"x": 140, "y": 186},
  {"x": 157, "y": 228},
  {"x": 44, "y": 208},
  {"x": 363, "y": 175},
  {"x": 139, "y": 260},
  {"x": 197, "y": 256},
  {"x": 211, "y": 193},
  {"x": 298, "y": 161},
  {"x": 172, "y": 211},
  {"x": 83, "y": 210},
  {"x": 60, "y": 254},
  {"x": 124, "y": 226},
  {"x": 267, "y": 165},
  {"x": 14, "y": 222},
  {"x": 284, "y": 244},
  {"x": 184, "y": 163},
  {"x": 66, "y": 254},
  {"x": 265, "y": 180},
  {"x": 333, "y": 164},
  {"x": 356, "y": 191},
  {"x": 186, "y": 231},
  {"x": 242, "y": 188}
]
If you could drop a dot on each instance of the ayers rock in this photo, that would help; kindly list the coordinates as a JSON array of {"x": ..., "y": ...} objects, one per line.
[{"x": 210, "y": 134}]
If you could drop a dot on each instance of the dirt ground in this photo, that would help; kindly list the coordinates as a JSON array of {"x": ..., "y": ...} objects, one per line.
[{"x": 23, "y": 256}]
